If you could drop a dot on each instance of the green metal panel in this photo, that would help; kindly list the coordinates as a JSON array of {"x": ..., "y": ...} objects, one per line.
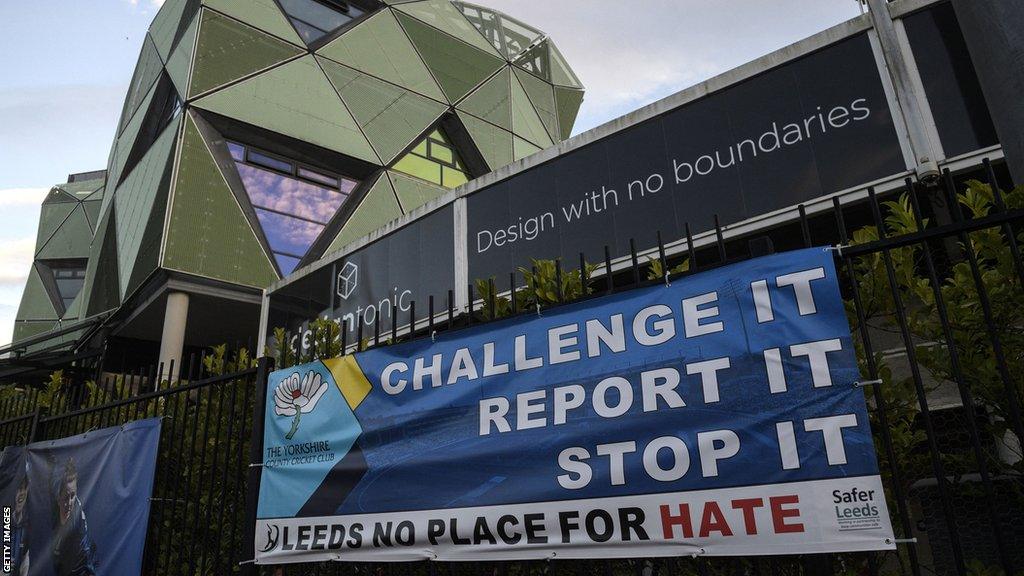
[
  {"x": 413, "y": 192},
  {"x": 26, "y": 330},
  {"x": 561, "y": 72},
  {"x": 147, "y": 70},
  {"x": 494, "y": 143},
  {"x": 97, "y": 195},
  {"x": 228, "y": 50},
  {"x": 135, "y": 200},
  {"x": 297, "y": 100},
  {"x": 493, "y": 100},
  {"x": 92, "y": 210},
  {"x": 521, "y": 148},
  {"x": 148, "y": 259},
  {"x": 392, "y": 118},
  {"x": 59, "y": 196},
  {"x": 208, "y": 234},
  {"x": 542, "y": 96},
  {"x": 458, "y": 67},
  {"x": 379, "y": 47},
  {"x": 35, "y": 301},
  {"x": 263, "y": 14},
  {"x": 71, "y": 240},
  {"x": 526, "y": 123},
  {"x": 442, "y": 15},
  {"x": 123, "y": 146},
  {"x": 377, "y": 208},
  {"x": 51, "y": 216},
  {"x": 569, "y": 101},
  {"x": 165, "y": 26},
  {"x": 101, "y": 292},
  {"x": 180, "y": 65},
  {"x": 82, "y": 190}
]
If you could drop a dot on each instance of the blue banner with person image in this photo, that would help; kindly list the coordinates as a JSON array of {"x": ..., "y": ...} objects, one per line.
[{"x": 79, "y": 506}]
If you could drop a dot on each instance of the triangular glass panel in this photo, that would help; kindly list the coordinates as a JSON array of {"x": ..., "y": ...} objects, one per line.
[
  {"x": 435, "y": 160},
  {"x": 294, "y": 203},
  {"x": 314, "y": 20},
  {"x": 64, "y": 280}
]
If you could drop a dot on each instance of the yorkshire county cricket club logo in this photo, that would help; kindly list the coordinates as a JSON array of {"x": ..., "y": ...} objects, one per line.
[
  {"x": 295, "y": 397},
  {"x": 312, "y": 455}
]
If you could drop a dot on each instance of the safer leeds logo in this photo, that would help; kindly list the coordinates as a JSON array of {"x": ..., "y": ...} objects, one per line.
[{"x": 295, "y": 398}]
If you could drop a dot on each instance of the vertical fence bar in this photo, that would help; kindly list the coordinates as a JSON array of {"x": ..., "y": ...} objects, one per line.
[
  {"x": 430, "y": 312},
  {"x": 512, "y": 293},
  {"x": 344, "y": 339},
  {"x": 394, "y": 323},
  {"x": 908, "y": 343},
  {"x": 359, "y": 333},
  {"x": 635, "y": 261},
  {"x": 492, "y": 298},
  {"x": 690, "y": 248},
  {"x": 966, "y": 398},
  {"x": 451, "y": 309},
  {"x": 881, "y": 405},
  {"x": 1009, "y": 230},
  {"x": 197, "y": 528},
  {"x": 584, "y": 276},
  {"x": 720, "y": 239},
  {"x": 1012, "y": 400},
  {"x": 608, "y": 269},
  {"x": 558, "y": 281},
  {"x": 242, "y": 475},
  {"x": 207, "y": 542},
  {"x": 265, "y": 366},
  {"x": 662, "y": 258}
]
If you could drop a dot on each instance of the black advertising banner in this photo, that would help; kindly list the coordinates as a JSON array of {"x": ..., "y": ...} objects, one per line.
[
  {"x": 410, "y": 265},
  {"x": 811, "y": 127},
  {"x": 950, "y": 82},
  {"x": 80, "y": 505}
]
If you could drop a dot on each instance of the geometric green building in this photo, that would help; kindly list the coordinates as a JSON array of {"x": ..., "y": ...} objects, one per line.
[{"x": 259, "y": 135}]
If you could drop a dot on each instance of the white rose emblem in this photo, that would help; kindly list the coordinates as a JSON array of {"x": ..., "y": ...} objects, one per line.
[{"x": 295, "y": 397}]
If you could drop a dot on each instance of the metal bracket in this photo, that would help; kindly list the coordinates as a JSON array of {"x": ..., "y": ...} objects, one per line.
[
  {"x": 838, "y": 249},
  {"x": 867, "y": 383}
]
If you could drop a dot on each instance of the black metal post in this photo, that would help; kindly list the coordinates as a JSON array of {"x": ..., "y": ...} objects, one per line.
[{"x": 264, "y": 368}]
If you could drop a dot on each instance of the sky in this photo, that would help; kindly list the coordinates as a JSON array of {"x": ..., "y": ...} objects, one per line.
[{"x": 67, "y": 64}]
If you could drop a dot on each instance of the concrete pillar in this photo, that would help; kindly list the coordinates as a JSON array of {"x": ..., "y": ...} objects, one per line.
[
  {"x": 994, "y": 31},
  {"x": 173, "y": 341}
]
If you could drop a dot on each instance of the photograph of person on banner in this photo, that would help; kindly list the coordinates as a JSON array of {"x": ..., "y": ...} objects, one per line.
[{"x": 73, "y": 549}]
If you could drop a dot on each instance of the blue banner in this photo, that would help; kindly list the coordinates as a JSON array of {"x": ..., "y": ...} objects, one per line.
[
  {"x": 79, "y": 506},
  {"x": 716, "y": 415}
]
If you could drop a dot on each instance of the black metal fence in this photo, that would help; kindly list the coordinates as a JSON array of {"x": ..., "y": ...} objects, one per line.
[
  {"x": 198, "y": 503},
  {"x": 933, "y": 280}
]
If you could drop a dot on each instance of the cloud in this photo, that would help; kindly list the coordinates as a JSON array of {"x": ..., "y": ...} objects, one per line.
[
  {"x": 16, "y": 261},
  {"x": 13, "y": 197}
]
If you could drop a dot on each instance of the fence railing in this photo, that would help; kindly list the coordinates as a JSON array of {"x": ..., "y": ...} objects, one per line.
[{"x": 933, "y": 280}]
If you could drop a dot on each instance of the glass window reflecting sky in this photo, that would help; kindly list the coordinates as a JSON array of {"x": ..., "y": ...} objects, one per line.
[{"x": 293, "y": 203}]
